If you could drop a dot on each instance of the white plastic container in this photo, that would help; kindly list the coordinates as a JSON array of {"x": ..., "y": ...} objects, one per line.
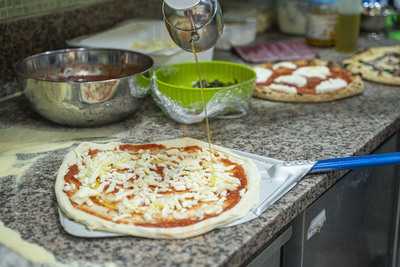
[{"x": 239, "y": 29}]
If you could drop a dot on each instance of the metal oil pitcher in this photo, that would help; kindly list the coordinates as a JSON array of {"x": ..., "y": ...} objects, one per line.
[{"x": 193, "y": 24}]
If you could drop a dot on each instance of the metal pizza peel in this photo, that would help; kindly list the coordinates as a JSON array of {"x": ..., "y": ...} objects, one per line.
[{"x": 277, "y": 178}]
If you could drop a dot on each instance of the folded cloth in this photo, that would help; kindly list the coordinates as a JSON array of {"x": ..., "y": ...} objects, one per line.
[{"x": 275, "y": 51}]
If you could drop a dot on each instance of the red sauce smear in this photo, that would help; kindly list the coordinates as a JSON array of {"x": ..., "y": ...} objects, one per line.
[
  {"x": 135, "y": 148},
  {"x": 192, "y": 149},
  {"x": 175, "y": 223},
  {"x": 69, "y": 177},
  {"x": 309, "y": 88},
  {"x": 152, "y": 187},
  {"x": 342, "y": 74},
  {"x": 93, "y": 152},
  {"x": 159, "y": 170},
  {"x": 232, "y": 199},
  {"x": 116, "y": 190},
  {"x": 238, "y": 172},
  {"x": 283, "y": 71},
  {"x": 306, "y": 90}
]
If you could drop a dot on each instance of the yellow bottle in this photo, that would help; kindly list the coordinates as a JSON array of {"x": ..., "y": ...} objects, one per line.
[
  {"x": 348, "y": 25},
  {"x": 347, "y": 30}
]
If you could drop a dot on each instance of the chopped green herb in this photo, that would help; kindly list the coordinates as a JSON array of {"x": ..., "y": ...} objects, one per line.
[{"x": 213, "y": 84}]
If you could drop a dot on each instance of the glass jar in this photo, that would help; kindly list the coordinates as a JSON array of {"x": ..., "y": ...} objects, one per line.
[
  {"x": 321, "y": 22},
  {"x": 292, "y": 16}
]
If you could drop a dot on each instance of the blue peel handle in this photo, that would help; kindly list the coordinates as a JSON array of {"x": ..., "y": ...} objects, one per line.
[{"x": 355, "y": 162}]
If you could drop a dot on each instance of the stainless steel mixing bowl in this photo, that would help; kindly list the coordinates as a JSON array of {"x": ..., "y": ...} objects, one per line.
[{"x": 85, "y": 86}]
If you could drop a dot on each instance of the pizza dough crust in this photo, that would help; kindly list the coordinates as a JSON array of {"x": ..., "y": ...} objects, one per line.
[
  {"x": 248, "y": 200},
  {"x": 355, "y": 66},
  {"x": 354, "y": 88},
  {"x": 32, "y": 252}
]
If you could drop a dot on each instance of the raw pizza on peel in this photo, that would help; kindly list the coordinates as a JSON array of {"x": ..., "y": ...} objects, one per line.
[
  {"x": 378, "y": 64},
  {"x": 305, "y": 81},
  {"x": 169, "y": 189}
]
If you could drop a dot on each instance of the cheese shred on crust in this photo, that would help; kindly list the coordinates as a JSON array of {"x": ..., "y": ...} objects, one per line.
[{"x": 157, "y": 189}]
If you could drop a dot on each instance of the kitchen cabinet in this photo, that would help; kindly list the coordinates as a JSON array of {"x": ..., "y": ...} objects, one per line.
[
  {"x": 353, "y": 224},
  {"x": 272, "y": 254}
]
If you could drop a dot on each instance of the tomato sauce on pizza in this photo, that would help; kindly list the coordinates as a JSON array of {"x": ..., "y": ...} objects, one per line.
[{"x": 154, "y": 186}]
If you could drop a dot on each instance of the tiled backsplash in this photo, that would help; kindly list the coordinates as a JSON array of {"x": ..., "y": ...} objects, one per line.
[
  {"x": 23, "y": 8},
  {"x": 26, "y": 35}
]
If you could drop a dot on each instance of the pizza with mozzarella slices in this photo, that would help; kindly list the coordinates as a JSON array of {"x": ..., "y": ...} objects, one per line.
[
  {"x": 378, "y": 64},
  {"x": 305, "y": 81},
  {"x": 171, "y": 189}
]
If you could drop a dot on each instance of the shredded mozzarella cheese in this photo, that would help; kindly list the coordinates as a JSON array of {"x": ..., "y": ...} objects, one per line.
[{"x": 169, "y": 184}]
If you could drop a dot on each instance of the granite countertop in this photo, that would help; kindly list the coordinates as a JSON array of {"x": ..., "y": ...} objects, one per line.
[{"x": 284, "y": 131}]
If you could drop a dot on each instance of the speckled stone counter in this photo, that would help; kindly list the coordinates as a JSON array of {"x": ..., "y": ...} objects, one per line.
[{"x": 284, "y": 131}]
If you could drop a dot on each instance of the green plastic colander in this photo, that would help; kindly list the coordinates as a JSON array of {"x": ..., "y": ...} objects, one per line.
[{"x": 176, "y": 81}]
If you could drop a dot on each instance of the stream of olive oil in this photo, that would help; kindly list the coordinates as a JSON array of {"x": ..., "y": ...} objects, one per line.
[{"x": 203, "y": 99}]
